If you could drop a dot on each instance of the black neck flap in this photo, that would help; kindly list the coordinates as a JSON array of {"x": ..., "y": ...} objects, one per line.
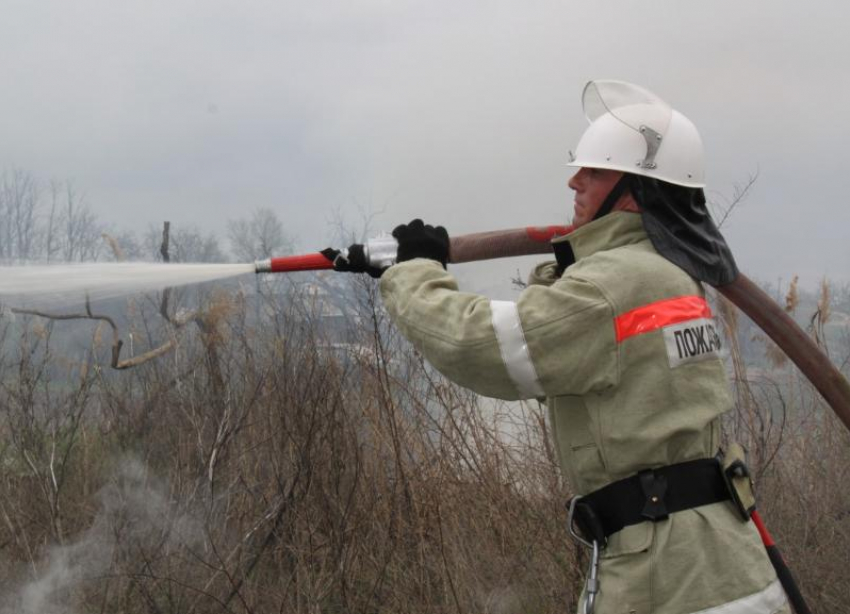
[
  {"x": 613, "y": 196},
  {"x": 681, "y": 229}
]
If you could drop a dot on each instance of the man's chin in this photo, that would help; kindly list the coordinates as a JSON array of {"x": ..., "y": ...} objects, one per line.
[{"x": 578, "y": 220}]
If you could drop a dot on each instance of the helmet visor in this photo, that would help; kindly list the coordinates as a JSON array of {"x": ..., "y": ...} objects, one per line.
[{"x": 629, "y": 103}]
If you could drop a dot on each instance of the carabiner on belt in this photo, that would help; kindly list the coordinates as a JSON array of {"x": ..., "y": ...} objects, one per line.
[{"x": 591, "y": 584}]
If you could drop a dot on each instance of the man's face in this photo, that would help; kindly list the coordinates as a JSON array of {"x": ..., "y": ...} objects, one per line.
[{"x": 591, "y": 186}]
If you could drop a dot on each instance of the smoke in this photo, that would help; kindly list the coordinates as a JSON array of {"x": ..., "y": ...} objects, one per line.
[
  {"x": 502, "y": 600},
  {"x": 134, "y": 509},
  {"x": 66, "y": 568}
]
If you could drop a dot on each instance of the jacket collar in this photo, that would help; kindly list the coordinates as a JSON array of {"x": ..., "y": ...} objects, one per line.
[{"x": 616, "y": 229}]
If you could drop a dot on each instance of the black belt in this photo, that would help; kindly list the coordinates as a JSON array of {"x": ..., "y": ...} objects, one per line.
[{"x": 652, "y": 494}]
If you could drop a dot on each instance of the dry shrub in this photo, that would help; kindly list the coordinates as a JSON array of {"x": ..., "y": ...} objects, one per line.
[
  {"x": 799, "y": 453},
  {"x": 280, "y": 460},
  {"x": 295, "y": 455}
]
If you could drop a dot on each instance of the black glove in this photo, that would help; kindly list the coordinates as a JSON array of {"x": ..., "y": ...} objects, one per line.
[
  {"x": 356, "y": 261},
  {"x": 564, "y": 255},
  {"x": 418, "y": 240}
]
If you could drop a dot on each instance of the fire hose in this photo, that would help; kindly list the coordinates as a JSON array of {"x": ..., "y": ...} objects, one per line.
[{"x": 742, "y": 292}]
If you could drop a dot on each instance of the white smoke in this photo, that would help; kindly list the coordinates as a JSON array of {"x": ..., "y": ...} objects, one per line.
[{"x": 134, "y": 505}]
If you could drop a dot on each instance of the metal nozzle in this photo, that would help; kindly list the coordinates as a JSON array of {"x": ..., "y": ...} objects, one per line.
[
  {"x": 263, "y": 266},
  {"x": 381, "y": 252}
]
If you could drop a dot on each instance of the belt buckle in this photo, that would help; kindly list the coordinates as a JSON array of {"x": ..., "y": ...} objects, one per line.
[{"x": 654, "y": 487}]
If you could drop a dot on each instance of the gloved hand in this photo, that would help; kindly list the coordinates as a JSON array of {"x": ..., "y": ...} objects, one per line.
[
  {"x": 564, "y": 255},
  {"x": 356, "y": 261},
  {"x": 418, "y": 240}
]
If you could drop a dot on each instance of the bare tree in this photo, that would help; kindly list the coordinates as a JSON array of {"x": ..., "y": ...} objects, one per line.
[
  {"x": 257, "y": 237},
  {"x": 19, "y": 205},
  {"x": 51, "y": 232},
  {"x": 73, "y": 231}
]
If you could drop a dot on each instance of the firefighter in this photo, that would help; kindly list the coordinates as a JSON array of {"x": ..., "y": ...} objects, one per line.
[{"x": 617, "y": 337}]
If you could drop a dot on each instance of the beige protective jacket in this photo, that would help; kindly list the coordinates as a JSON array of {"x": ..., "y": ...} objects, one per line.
[{"x": 624, "y": 349}]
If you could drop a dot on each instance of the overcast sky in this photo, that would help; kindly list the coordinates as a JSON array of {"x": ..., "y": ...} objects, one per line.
[{"x": 460, "y": 112}]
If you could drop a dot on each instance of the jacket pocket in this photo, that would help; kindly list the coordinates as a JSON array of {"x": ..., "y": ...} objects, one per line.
[
  {"x": 626, "y": 570},
  {"x": 632, "y": 539}
]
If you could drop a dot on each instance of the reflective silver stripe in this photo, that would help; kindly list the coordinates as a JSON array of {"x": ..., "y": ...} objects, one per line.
[
  {"x": 767, "y": 601},
  {"x": 514, "y": 349}
]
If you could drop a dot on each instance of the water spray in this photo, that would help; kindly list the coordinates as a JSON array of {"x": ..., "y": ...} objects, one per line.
[{"x": 70, "y": 283}]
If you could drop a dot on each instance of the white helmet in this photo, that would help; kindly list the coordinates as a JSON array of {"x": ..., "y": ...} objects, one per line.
[{"x": 634, "y": 131}]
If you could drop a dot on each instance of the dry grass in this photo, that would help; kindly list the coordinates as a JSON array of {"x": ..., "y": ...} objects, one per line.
[{"x": 264, "y": 468}]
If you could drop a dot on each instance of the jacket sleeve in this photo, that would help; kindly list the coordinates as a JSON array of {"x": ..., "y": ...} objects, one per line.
[{"x": 554, "y": 340}]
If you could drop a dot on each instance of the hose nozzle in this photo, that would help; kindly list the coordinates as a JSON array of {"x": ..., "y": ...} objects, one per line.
[{"x": 263, "y": 266}]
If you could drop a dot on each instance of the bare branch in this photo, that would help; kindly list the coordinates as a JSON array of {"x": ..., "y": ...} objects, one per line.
[
  {"x": 739, "y": 194},
  {"x": 117, "y": 344},
  {"x": 135, "y": 361}
]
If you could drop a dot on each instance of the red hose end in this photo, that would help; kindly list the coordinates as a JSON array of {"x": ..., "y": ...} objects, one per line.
[
  {"x": 288, "y": 264},
  {"x": 762, "y": 529},
  {"x": 547, "y": 233}
]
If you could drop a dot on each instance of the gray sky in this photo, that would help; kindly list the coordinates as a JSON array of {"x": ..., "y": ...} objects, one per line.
[{"x": 458, "y": 112}]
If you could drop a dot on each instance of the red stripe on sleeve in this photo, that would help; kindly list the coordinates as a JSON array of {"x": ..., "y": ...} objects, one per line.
[{"x": 659, "y": 314}]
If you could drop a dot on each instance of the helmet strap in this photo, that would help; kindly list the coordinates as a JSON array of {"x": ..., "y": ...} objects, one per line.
[{"x": 613, "y": 196}]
